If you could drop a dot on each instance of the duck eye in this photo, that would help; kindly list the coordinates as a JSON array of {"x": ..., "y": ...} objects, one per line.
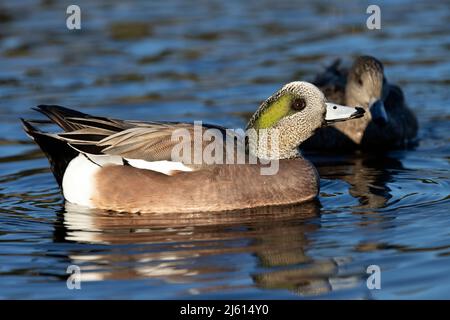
[
  {"x": 360, "y": 82},
  {"x": 298, "y": 104}
]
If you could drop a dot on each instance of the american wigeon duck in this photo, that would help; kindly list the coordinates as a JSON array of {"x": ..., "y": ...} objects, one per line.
[
  {"x": 129, "y": 166},
  {"x": 388, "y": 124}
]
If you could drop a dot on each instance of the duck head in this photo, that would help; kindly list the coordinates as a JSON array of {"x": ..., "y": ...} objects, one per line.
[
  {"x": 295, "y": 112},
  {"x": 367, "y": 87}
]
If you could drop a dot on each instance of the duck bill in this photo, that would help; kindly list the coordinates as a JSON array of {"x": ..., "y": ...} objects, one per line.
[
  {"x": 336, "y": 112},
  {"x": 378, "y": 112}
]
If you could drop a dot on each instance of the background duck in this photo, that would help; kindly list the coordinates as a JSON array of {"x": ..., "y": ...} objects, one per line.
[
  {"x": 389, "y": 124},
  {"x": 127, "y": 165}
]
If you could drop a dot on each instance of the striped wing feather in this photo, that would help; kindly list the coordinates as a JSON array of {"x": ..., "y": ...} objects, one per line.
[{"x": 149, "y": 141}]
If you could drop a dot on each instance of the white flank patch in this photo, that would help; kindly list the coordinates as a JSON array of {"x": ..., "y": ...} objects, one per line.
[
  {"x": 164, "y": 166},
  {"x": 78, "y": 181}
]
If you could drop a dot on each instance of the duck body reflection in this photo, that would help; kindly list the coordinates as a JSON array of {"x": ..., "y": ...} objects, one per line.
[{"x": 193, "y": 248}]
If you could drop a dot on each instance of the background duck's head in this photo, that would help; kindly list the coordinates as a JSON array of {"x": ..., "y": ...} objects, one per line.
[
  {"x": 367, "y": 87},
  {"x": 296, "y": 111}
]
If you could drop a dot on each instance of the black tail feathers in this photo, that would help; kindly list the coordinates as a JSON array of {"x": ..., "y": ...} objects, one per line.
[
  {"x": 58, "y": 115},
  {"x": 58, "y": 152}
]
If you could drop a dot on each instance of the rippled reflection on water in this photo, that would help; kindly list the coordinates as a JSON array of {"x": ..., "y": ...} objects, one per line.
[{"x": 216, "y": 62}]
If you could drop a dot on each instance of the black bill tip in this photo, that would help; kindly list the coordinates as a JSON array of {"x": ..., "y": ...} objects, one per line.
[{"x": 358, "y": 113}]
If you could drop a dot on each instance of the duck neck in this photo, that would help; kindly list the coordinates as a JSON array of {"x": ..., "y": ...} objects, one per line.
[{"x": 269, "y": 144}]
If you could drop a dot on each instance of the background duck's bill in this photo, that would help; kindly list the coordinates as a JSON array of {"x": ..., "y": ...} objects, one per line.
[
  {"x": 378, "y": 112},
  {"x": 336, "y": 112}
]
